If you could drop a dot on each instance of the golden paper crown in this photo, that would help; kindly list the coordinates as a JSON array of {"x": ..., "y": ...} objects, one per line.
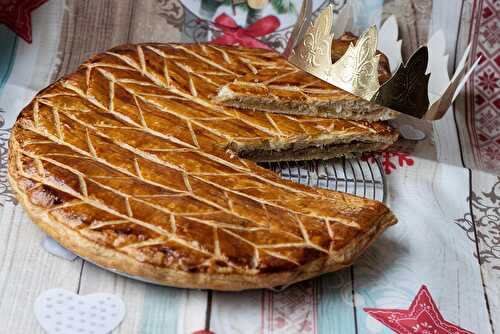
[{"x": 407, "y": 91}]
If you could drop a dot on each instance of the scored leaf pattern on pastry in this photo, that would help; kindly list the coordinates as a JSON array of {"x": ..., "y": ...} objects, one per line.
[{"x": 130, "y": 152}]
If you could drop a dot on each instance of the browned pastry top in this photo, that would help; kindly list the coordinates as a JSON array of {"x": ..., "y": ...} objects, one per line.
[{"x": 126, "y": 162}]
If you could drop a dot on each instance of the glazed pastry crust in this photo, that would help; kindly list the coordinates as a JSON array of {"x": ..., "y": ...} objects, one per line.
[
  {"x": 121, "y": 263},
  {"x": 127, "y": 163}
]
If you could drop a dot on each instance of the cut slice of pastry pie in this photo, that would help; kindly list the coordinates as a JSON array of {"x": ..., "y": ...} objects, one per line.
[
  {"x": 336, "y": 138},
  {"x": 286, "y": 89},
  {"x": 129, "y": 164}
]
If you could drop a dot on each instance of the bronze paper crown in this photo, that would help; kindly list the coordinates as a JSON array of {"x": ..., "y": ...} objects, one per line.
[{"x": 407, "y": 91}]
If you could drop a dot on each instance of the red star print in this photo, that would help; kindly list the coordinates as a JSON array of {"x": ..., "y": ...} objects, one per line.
[
  {"x": 423, "y": 317},
  {"x": 16, "y": 15}
]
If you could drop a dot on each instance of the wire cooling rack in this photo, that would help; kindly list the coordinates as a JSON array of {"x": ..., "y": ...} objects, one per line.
[{"x": 353, "y": 176}]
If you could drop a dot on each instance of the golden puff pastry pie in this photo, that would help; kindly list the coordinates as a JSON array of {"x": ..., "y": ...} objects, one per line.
[{"x": 128, "y": 163}]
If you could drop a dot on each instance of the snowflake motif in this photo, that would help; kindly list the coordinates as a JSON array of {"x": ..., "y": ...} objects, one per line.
[
  {"x": 488, "y": 82},
  {"x": 389, "y": 165},
  {"x": 486, "y": 212}
]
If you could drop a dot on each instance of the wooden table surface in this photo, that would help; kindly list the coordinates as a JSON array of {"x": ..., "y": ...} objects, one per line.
[{"x": 448, "y": 236}]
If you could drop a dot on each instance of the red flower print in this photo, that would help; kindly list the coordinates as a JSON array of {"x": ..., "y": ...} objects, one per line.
[
  {"x": 488, "y": 82},
  {"x": 386, "y": 160}
]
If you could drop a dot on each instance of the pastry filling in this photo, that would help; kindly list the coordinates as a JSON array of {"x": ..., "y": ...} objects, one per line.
[
  {"x": 326, "y": 151},
  {"x": 342, "y": 109}
]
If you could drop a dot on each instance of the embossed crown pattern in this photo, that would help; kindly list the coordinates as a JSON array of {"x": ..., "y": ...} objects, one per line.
[{"x": 408, "y": 91}]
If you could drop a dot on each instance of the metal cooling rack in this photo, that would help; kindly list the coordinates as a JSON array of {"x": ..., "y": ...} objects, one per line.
[{"x": 353, "y": 176}]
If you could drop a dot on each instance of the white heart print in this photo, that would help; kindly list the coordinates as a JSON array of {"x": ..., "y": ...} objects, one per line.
[{"x": 63, "y": 312}]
